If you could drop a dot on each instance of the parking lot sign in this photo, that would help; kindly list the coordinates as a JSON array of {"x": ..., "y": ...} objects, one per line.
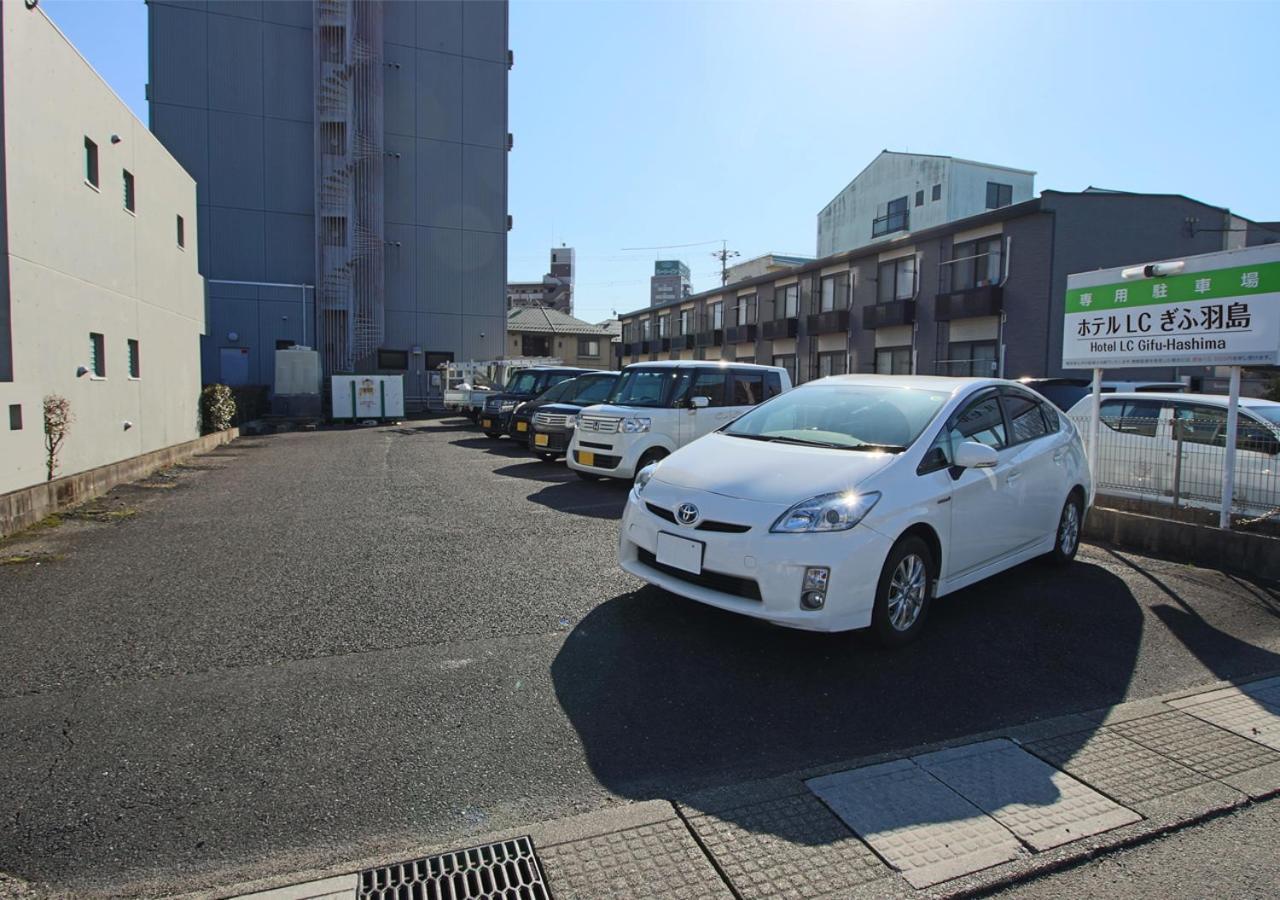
[{"x": 1214, "y": 309}]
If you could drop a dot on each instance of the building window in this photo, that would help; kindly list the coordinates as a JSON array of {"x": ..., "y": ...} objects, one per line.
[
  {"x": 285, "y": 344},
  {"x": 135, "y": 359},
  {"x": 97, "y": 355},
  {"x": 15, "y": 416},
  {"x": 998, "y": 195},
  {"x": 919, "y": 198},
  {"x": 333, "y": 231},
  {"x": 975, "y": 264},
  {"x": 91, "y": 162},
  {"x": 589, "y": 347},
  {"x": 686, "y": 321},
  {"x": 182, "y": 232},
  {"x": 894, "y": 219},
  {"x": 971, "y": 358},
  {"x": 664, "y": 326},
  {"x": 937, "y": 192},
  {"x": 645, "y": 329},
  {"x": 835, "y": 292},
  {"x": 715, "y": 315},
  {"x": 893, "y": 361},
  {"x": 130, "y": 200},
  {"x": 393, "y": 359},
  {"x": 535, "y": 345},
  {"x": 896, "y": 280},
  {"x": 745, "y": 311},
  {"x": 833, "y": 362},
  {"x": 786, "y": 302},
  {"x": 787, "y": 361}
]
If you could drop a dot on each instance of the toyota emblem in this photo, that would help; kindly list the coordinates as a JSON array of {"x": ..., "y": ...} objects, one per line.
[{"x": 687, "y": 513}]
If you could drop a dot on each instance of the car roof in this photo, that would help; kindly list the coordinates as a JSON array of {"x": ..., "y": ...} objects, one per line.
[
  {"x": 1211, "y": 399},
  {"x": 946, "y": 383},
  {"x": 705, "y": 363}
]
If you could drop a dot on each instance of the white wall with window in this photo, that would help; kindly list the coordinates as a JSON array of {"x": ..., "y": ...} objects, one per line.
[{"x": 93, "y": 284}]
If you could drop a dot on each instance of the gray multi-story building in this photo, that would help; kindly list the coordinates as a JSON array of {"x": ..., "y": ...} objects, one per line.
[
  {"x": 982, "y": 295},
  {"x": 352, "y": 173},
  {"x": 670, "y": 282},
  {"x": 554, "y": 291}
]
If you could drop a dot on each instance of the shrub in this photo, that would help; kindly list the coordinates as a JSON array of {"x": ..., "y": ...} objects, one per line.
[
  {"x": 57, "y": 423},
  {"x": 217, "y": 408}
]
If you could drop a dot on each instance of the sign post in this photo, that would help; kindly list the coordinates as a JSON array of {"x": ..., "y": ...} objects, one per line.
[{"x": 1216, "y": 309}]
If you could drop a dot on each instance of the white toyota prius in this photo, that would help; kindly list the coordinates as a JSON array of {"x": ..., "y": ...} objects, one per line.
[{"x": 854, "y": 501}]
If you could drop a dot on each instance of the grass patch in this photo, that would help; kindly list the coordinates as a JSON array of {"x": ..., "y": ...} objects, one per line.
[
  {"x": 23, "y": 559},
  {"x": 97, "y": 512}
]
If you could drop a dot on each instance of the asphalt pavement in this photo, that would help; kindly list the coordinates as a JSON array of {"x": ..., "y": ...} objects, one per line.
[{"x": 317, "y": 647}]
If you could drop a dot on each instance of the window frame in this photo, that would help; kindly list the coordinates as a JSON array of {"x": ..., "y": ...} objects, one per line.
[
  {"x": 91, "y": 170},
  {"x": 1002, "y": 191},
  {"x": 744, "y": 309},
  {"x": 584, "y": 347},
  {"x": 898, "y": 209},
  {"x": 182, "y": 232},
  {"x": 895, "y": 267},
  {"x": 1037, "y": 404},
  {"x": 835, "y": 280},
  {"x": 130, "y": 191},
  {"x": 696, "y": 382},
  {"x": 384, "y": 353},
  {"x": 746, "y": 375},
  {"x": 894, "y": 351},
  {"x": 133, "y": 349},
  {"x": 824, "y": 355},
  {"x": 97, "y": 355},
  {"x": 789, "y": 297},
  {"x": 936, "y": 193}
]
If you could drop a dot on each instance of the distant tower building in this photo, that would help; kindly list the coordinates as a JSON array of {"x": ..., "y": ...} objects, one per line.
[
  {"x": 555, "y": 290},
  {"x": 670, "y": 282}
]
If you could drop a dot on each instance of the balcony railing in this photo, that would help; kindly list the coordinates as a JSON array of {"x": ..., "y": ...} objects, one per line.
[
  {"x": 710, "y": 338},
  {"x": 740, "y": 334},
  {"x": 886, "y": 315},
  {"x": 890, "y": 223},
  {"x": 682, "y": 342},
  {"x": 828, "y": 322},
  {"x": 774, "y": 329},
  {"x": 987, "y": 300}
]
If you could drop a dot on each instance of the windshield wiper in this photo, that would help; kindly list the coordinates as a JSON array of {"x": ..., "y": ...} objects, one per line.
[
  {"x": 875, "y": 448},
  {"x": 778, "y": 439}
]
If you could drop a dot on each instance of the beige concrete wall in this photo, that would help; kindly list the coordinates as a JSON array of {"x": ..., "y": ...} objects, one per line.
[
  {"x": 80, "y": 263},
  {"x": 565, "y": 348}
]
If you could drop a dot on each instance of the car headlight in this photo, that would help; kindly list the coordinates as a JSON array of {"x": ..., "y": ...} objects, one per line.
[
  {"x": 826, "y": 512},
  {"x": 635, "y": 425},
  {"x": 576, "y": 421},
  {"x": 643, "y": 476}
]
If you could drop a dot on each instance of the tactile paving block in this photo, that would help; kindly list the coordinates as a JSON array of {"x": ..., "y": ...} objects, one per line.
[
  {"x": 1249, "y": 716},
  {"x": 659, "y": 860},
  {"x": 791, "y": 847},
  {"x": 1043, "y": 806},
  {"x": 1207, "y": 749},
  {"x": 916, "y": 823},
  {"x": 1117, "y": 766}
]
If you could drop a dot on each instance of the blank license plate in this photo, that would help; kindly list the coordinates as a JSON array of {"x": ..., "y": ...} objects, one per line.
[
  {"x": 679, "y": 552},
  {"x": 540, "y": 440},
  {"x": 487, "y": 423},
  {"x": 522, "y": 426},
  {"x": 586, "y": 457}
]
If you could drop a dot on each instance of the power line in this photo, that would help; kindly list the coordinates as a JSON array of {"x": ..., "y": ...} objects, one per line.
[
  {"x": 674, "y": 246},
  {"x": 724, "y": 254}
]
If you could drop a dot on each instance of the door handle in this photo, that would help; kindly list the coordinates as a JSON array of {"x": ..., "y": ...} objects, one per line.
[
  {"x": 1058, "y": 454},
  {"x": 1014, "y": 475}
]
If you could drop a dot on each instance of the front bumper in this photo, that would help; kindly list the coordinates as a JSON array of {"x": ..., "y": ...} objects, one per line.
[
  {"x": 547, "y": 441},
  {"x": 739, "y": 567},
  {"x": 495, "y": 421},
  {"x": 609, "y": 455}
]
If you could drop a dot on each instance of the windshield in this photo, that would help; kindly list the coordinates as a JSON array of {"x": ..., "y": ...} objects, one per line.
[
  {"x": 645, "y": 387},
  {"x": 591, "y": 389},
  {"x": 557, "y": 392},
  {"x": 843, "y": 415},
  {"x": 1268, "y": 413},
  {"x": 523, "y": 383}
]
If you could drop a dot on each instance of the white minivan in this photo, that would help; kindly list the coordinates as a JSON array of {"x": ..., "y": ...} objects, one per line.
[{"x": 658, "y": 407}]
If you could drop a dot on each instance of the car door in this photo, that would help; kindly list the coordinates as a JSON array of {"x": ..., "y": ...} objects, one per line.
[
  {"x": 712, "y": 384},
  {"x": 984, "y": 502},
  {"x": 1134, "y": 447},
  {"x": 1204, "y": 439},
  {"x": 1257, "y": 484},
  {"x": 1039, "y": 458}
]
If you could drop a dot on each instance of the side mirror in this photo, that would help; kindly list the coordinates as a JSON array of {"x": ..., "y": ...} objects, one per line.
[
  {"x": 972, "y": 455},
  {"x": 699, "y": 402}
]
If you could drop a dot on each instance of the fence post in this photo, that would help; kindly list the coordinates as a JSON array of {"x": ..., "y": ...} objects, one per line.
[
  {"x": 1229, "y": 469},
  {"x": 1095, "y": 409},
  {"x": 1177, "y": 462}
]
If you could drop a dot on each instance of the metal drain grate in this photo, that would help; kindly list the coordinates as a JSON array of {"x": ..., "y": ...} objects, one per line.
[{"x": 508, "y": 870}]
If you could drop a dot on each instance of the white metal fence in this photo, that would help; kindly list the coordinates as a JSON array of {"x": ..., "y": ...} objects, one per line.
[{"x": 1180, "y": 460}]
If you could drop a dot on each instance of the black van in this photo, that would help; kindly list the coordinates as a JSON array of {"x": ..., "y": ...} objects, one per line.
[
  {"x": 551, "y": 424},
  {"x": 524, "y": 385},
  {"x": 594, "y": 385}
]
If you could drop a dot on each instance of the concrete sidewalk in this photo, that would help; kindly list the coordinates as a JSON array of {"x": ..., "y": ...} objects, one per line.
[{"x": 968, "y": 816}]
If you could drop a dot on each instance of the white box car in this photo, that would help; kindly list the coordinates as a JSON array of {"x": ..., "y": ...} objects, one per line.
[{"x": 658, "y": 407}]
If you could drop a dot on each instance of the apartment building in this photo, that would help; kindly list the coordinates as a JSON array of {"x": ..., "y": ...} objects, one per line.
[
  {"x": 979, "y": 296},
  {"x": 351, "y": 159},
  {"x": 904, "y": 192},
  {"x": 554, "y": 291},
  {"x": 101, "y": 301},
  {"x": 542, "y": 331}
]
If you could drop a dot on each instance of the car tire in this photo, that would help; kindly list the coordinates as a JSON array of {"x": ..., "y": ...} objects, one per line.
[
  {"x": 1066, "y": 540},
  {"x": 546, "y": 457},
  {"x": 493, "y": 435},
  {"x": 649, "y": 457},
  {"x": 904, "y": 593}
]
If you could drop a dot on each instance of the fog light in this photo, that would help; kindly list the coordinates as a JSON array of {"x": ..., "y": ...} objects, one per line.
[
  {"x": 813, "y": 599},
  {"x": 815, "y": 578}
]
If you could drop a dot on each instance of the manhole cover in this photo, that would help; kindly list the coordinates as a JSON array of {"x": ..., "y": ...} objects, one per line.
[{"x": 508, "y": 870}]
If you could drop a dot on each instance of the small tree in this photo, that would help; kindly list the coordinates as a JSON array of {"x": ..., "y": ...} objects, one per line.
[
  {"x": 217, "y": 408},
  {"x": 57, "y": 422}
]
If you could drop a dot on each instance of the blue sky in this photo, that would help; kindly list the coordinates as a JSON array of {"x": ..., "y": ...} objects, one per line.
[{"x": 656, "y": 123}]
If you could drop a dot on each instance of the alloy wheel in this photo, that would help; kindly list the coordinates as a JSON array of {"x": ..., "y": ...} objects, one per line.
[
  {"x": 1069, "y": 529},
  {"x": 907, "y": 592}
]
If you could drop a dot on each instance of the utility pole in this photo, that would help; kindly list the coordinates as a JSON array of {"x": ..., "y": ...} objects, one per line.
[{"x": 724, "y": 254}]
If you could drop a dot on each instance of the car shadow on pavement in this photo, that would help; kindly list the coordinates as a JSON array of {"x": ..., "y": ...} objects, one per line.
[
  {"x": 592, "y": 499},
  {"x": 497, "y": 446},
  {"x": 537, "y": 470},
  {"x": 670, "y": 697}
]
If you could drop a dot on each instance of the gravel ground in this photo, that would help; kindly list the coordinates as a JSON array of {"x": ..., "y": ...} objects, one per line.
[{"x": 309, "y": 648}]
